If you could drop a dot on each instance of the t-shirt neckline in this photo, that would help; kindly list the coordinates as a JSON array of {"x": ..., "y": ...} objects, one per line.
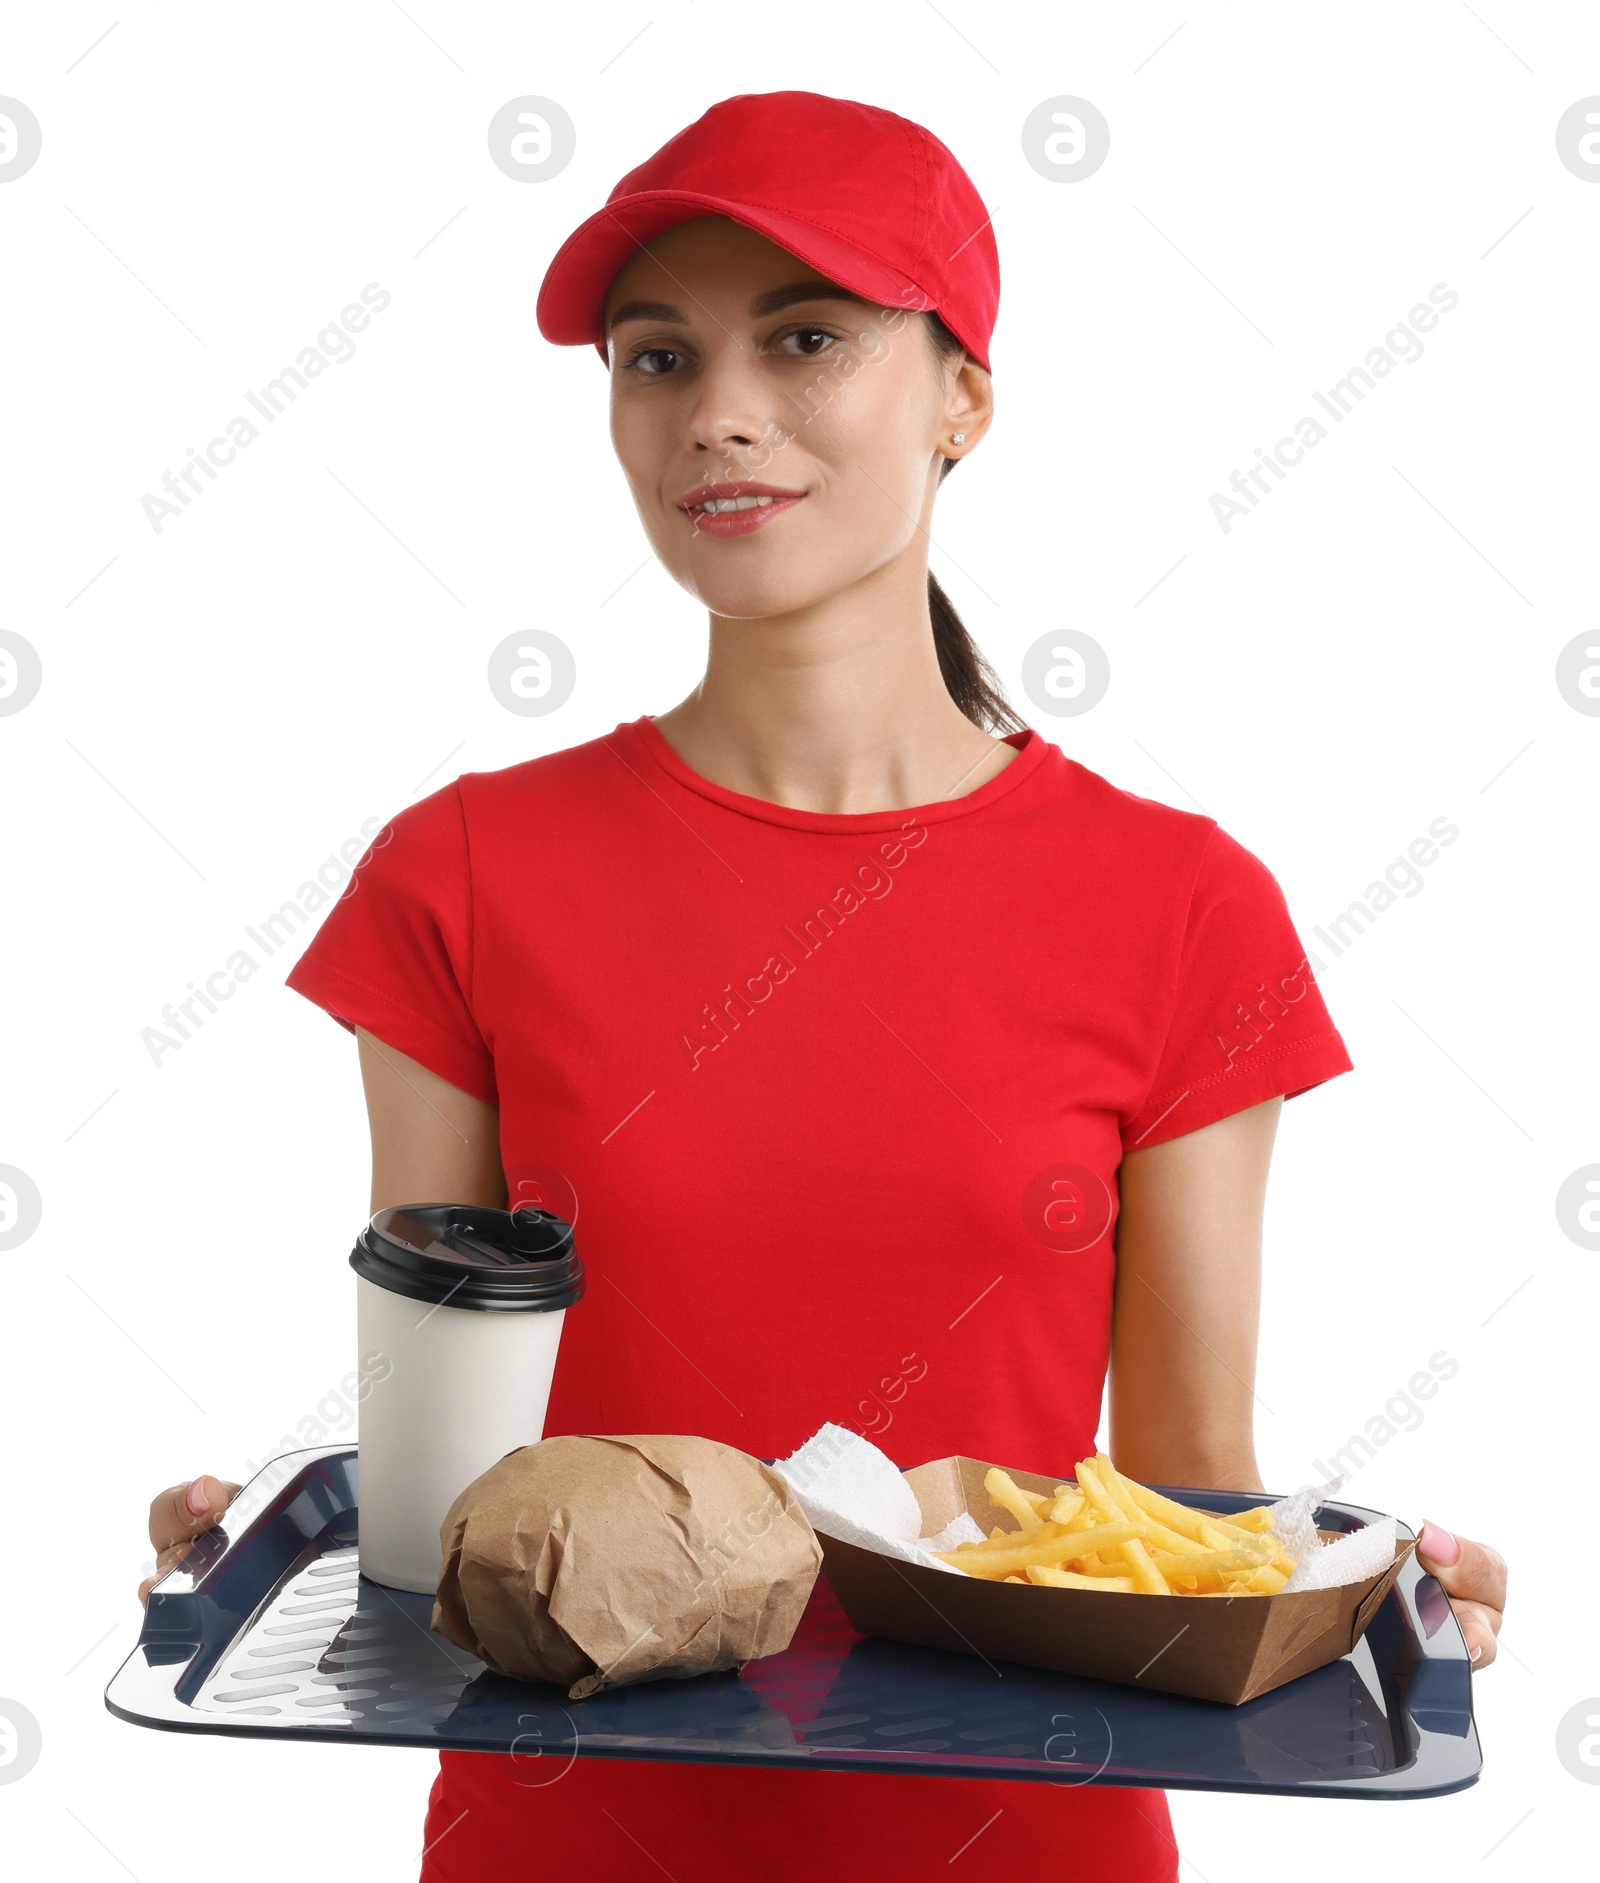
[{"x": 1030, "y": 749}]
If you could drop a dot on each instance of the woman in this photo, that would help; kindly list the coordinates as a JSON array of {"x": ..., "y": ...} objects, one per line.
[{"x": 851, "y": 1027}]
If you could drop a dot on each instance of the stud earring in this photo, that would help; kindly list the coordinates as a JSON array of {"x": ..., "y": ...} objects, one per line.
[{"x": 958, "y": 438}]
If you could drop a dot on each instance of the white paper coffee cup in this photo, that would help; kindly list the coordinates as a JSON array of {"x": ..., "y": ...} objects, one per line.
[{"x": 467, "y": 1306}]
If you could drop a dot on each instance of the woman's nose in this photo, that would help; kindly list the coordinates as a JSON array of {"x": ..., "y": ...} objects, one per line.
[{"x": 733, "y": 409}]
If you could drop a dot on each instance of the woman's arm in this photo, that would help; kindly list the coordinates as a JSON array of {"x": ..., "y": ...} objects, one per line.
[
  {"x": 1183, "y": 1338},
  {"x": 431, "y": 1142},
  {"x": 1188, "y": 1298}
]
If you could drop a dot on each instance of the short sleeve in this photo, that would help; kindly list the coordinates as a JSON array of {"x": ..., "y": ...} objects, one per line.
[
  {"x": 1246, "y": 1018},
  {"x": 394, "y": 954}
]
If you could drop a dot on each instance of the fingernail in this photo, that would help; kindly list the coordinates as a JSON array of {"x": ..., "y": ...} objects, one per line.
[
  {"x": 1475, "y": 1650},
  {"x": 1438, "y": 1545},
  {"x": 195, "y": 1497}
]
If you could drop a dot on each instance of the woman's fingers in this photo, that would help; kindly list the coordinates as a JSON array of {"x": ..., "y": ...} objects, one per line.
[
  {"x": 1479, "y": 1626},
  {"x": 1474, "y": 1578},
  {"x": 184, "y": 1510},
  {"x": 179, "y": 1515},
  {"x": 165, "y": 1560},
  {"x": 1469, "y": 1571}
]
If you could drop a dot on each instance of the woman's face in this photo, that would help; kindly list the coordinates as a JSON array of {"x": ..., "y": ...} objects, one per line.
[{"x": 733, "y": 362}]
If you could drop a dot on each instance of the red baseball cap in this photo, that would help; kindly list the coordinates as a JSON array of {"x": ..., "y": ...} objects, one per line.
[{"x": 871, "y": 200}]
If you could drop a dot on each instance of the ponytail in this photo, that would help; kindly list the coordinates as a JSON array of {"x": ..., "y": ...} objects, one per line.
[{"x": 969, "y": 679}]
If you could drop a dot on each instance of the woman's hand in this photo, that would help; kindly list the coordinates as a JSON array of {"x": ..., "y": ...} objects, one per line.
[
  {"x": 178, "y": 1516},
  {"x": 1474, "y": 1578}
]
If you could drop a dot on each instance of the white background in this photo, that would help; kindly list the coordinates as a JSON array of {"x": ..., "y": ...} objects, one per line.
[{"x": 225, "y": 702}]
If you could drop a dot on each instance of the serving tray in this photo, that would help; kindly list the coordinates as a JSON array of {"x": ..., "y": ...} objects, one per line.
[{"x": 267, "y": 1630}]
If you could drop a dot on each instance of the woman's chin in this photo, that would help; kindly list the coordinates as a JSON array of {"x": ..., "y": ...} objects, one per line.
[{"x": 753, "y": 597}]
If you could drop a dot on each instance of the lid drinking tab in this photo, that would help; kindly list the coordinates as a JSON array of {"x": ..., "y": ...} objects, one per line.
[{"x": 458, "y": 1255}]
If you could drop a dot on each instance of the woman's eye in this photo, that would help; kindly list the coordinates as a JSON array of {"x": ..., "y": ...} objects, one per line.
[
  {"x": 635, "y": 361},
  {"x": 658, "y": 362}
]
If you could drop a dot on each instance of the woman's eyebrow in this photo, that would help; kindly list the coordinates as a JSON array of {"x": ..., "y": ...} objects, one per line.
[
  {"x": 645, "y": 310},
  {"x": 769, "y": 303},
  {"x": 776, "y": 298}
]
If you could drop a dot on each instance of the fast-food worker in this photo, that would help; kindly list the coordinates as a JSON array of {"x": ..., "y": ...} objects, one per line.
[{"x": 906, "y": 1072}]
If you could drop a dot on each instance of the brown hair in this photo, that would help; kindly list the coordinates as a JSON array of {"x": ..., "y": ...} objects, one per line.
[{"x": 971, "y": 682}]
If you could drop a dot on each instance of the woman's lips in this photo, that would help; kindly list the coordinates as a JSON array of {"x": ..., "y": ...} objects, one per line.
[
  {"x": 737, "y": 508},
  {"x": 739, "y": 522}
]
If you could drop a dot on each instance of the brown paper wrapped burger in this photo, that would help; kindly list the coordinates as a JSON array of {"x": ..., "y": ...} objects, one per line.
[{"x": 599, "y": 1561}]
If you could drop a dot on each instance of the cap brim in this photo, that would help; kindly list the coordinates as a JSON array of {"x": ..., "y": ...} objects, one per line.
[{"x": 571, "y": 305}]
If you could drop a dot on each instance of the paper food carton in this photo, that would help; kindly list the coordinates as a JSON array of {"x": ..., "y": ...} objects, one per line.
[{"x": 1213, "y": 1649}]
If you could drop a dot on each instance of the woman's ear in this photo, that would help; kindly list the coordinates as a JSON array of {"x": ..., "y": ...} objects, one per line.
[{"x": 969, "y": 402}]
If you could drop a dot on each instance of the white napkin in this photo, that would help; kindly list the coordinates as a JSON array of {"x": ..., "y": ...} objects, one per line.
[
  {"x": 851, "y": 1490},
  {"x": 1322, "y": 1565}
]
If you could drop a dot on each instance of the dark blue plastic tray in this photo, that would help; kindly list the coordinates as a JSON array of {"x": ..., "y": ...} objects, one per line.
[{"x": 267, "y": 1631}]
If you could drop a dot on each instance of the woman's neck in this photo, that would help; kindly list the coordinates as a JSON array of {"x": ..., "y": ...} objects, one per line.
[{"x": 839, "y": 708}]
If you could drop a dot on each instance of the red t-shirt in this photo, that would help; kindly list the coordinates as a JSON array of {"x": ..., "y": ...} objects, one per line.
[{"x": 839, "y": 1101}]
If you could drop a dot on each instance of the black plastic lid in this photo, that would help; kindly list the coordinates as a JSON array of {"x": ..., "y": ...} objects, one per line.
[{"x": 457, "y": 1255}]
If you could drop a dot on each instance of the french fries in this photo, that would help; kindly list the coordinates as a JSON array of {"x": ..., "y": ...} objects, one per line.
[
  {"x": 1065, "y": 1579},
  {"x": 1024, "y": 1505},
  {"x": 1069, "y": 1501},
  {"x": 994, "y": 1561},
  {"x": 1110, "y": 1533}
]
